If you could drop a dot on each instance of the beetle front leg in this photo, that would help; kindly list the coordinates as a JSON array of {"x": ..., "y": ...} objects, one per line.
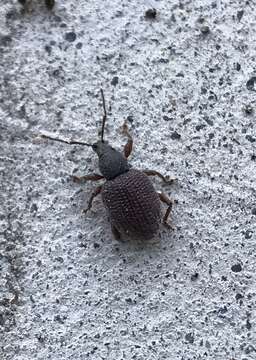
[
  {"x": 90, "y": 177},
  {"x": 164, "y": 198},
  {"x": 96, "y": 192},
  {"x": 128, "y": 145},
  {"x": 166, "y": 179}
]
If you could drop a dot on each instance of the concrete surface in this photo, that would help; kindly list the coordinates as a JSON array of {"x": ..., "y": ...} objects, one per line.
[{"x": 186, "y": 83}]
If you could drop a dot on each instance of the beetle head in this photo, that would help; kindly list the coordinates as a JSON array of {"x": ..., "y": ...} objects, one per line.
[{"x": 111, "y": 161}]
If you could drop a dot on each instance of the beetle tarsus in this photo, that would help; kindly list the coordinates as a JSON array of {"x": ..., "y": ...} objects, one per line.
[
  {"x": 96, "y": 192},
  {"x": 166, "y": 179}
]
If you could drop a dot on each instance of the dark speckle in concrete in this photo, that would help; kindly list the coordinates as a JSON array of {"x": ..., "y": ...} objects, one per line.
[
  {"x": 251, "y": 83},
  {"x": 150, "y": 13},
  {"x": 175, "y": 135},
  {"x": 190, "y": 338},
  {"x": 240, "y": 14},
  {"x": 236, "y": 268},
  {"x": 114, "y": 81},
  {"x": 70, "y": 36}
]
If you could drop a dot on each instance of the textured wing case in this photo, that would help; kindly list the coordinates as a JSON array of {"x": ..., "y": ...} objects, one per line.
[{"x": 133, "y": 204}]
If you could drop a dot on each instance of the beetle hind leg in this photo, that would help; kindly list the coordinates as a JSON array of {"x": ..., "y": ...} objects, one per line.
[
  {"x": 164, "y": 198},
  {"x": 96, "y": 192}
]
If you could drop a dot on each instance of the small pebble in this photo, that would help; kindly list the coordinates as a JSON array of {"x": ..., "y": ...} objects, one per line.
[{"x": 205, "y": 29}]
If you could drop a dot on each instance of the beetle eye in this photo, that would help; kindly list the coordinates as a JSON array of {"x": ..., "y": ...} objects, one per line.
[{"x": 94, "y": 146}]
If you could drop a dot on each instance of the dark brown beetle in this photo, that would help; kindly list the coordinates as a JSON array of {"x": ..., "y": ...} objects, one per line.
[
  {"x": 132, "y": 203},
  {"x": 49, "y": 3}
]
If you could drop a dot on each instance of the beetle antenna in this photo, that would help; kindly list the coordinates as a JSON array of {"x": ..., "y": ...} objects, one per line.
[
  {"x": 69, "y": 142},
  {"x": 104, "y": 116}
]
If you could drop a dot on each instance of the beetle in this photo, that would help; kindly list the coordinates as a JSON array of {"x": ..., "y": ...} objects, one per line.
[
  {"x": 128, "y": 195},
  {"x": 48, "y": 3}
]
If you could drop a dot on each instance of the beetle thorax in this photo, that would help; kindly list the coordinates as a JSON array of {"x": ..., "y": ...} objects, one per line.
[{"x": 111, "y": 162}]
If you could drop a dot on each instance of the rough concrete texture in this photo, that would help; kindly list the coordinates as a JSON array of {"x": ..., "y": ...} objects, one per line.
[{"x": 185, "y": 80}]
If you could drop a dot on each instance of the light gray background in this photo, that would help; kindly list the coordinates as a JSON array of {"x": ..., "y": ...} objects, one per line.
[{"x": 80, "y": 294}]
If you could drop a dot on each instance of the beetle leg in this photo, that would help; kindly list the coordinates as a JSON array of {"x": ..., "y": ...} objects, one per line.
[
  {"x": 128, "y": 145},
  {"x": 115, "y": 232},
  {"x": 166, "y": 179},
  {"x": 96, "y": 192},
  {"x": 164, "y": 198},
  {"x": 91, "y": 177}
]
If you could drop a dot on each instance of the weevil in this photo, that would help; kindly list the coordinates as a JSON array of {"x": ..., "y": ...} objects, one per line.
[
  {"x": 128, "y": 195},
  {"x": 48, "y": 3}
]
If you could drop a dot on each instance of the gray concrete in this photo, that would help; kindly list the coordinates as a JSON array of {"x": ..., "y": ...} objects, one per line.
[{"x": 67, "y": 289}]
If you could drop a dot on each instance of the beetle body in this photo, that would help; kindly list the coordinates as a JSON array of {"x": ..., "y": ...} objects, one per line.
[
  {"x": 128, "y": 195},
  {"x": 131, "y": 201},
  {"x": 132, "y": 204}
]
